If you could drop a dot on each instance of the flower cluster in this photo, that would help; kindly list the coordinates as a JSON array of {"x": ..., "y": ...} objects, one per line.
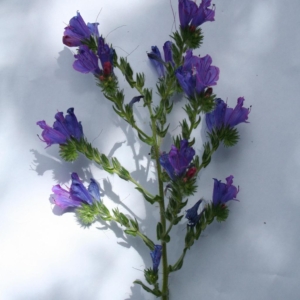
[
  {"x": 223, "y": 116},
  {"x": 77, "y": 195},
  {"x": 177, "y": 160},
  {"x": 91, "y": 48},
  {"x": 192, "y": 15},
  {"x": 196, "y": 74},
  {"x": 63, "y": 129},
  {"x": 222, "y": 193},
  {"x": 156, "y": 59}
]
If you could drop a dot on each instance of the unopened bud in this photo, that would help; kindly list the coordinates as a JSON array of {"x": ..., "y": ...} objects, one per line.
[
  {"x": 208, "y": 92},
  {"x": 191, "y": 172}
]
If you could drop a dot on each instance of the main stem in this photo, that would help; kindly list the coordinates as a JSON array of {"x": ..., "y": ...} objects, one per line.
[{"x": 165, "y": 289}]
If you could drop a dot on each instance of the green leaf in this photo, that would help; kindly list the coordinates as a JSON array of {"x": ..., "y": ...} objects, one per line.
[
  {"x": 162, "y": 133},
  {"x": 148, "y": 243},
  {"x": 177, "y": 220},
  {"x": 166, "y": 238},
  {"x": 130, "y": 232},
  {"x": 185, "y": 129},
  {"x": 123, "y": 220},
  {"x": 146, "y": 140},
  {"x": 147, "y": 197},
  {"x": 134, "y": 224},
  {"x": 159, "y": 230},
  {"x": 179, "y": 263},
  {"x": 189, "y": 237},
  {"x": 155, "y": 292}
]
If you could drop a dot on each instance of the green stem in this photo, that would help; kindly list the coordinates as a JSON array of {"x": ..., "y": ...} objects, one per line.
[
  {"x": 93, "y": 154},
  {"x": 165, "y": 290}
]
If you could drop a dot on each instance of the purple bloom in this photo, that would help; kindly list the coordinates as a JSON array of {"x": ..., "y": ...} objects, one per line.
[
  {"x": 74, "y": 127},
  {"x": 192, "y": 214},
  {"x": 196, "y": 74},
  {"x": 168, "y": 52},
  {"x": 156, "y": 256},
  {"x": 222, "y": 115},
  {"x": 63, "y": 198},
  {"x": 191, "y": 14},
  {"x": 178, "y": 160},
  {"x": 78, "y": 31},
  {"x": 87, "y": 61},
  {"x": 157, "y": 61},
  {"x": 63, "y": 129},
  {"x": 93, "y": 28},
  {"x": 77, "y": 195},
  {"x": 61, "y": 125},
  {"x": 165, "y": 163},
  {"x": 223, "y": 192},
  {"x": 134, "y": 100},
  {"x": 156, "y": 58},
  {"x": 105, "y": 53},
  {"x": 50, "y": 135},
  {"x": 93, "y": 189},
  {"x": 203, "y": 14}
]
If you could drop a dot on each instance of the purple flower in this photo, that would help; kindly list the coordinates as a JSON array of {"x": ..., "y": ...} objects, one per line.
[
  {"x": 78, "y": 31},
  {"x": 63, "y": 129},
  {"x": 196, "y": 74},
  {"x": 168, "y": 52},
  {"x": 156, "y": 58},
  {"x": 156, "y": 256},
  {"x": 93, "y": 189},
  {"x": 86, "y": 61},
  {"x": 222, "y": 115},
  {"x": 63, "y": 198},
  {"x": 105, "y": 54},
  {"x": 178, "y": 160},
  {"x": 192, "y": 214},
  {"x": 191, "y": 14},
  {"x": 223, "y": 192},
  {"x": 134, "y": 100},
  {"x": 77, "y": 195},
  {"x": 50, "y": 135},
  {"x": 74, "y": 127},
  {"x": 165, "y": 163},
  {"x": 78, "y": 191}
]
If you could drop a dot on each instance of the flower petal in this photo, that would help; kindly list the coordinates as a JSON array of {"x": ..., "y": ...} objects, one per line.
[{"x": 78, "y": 190}]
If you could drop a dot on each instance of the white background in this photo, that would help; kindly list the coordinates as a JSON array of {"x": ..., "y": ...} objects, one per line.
[{"x": 252, "y": 256}]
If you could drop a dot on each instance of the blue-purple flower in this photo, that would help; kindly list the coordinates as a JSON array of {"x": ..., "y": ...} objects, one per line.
[
  {"x": 77, "y": 31},
  {"x": 63, "y": 129},
  {"x": 192, "y": 15},
  {"x": 223, "y": 192},
  {"x": 222, "y": 115},
  {"x": 192, "y": 214},
  {"x": 77, "y": 195},
  {"x": 106, "y": 56},
  {"x": 196, "y": 74},
  {"x": 177, "y": 160},
  {"x": 156, "y": 256},
  {"x": 134, "y": 100},
  {"x": 86, "y": 61},
  {"x": 156, "y": 58}
]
